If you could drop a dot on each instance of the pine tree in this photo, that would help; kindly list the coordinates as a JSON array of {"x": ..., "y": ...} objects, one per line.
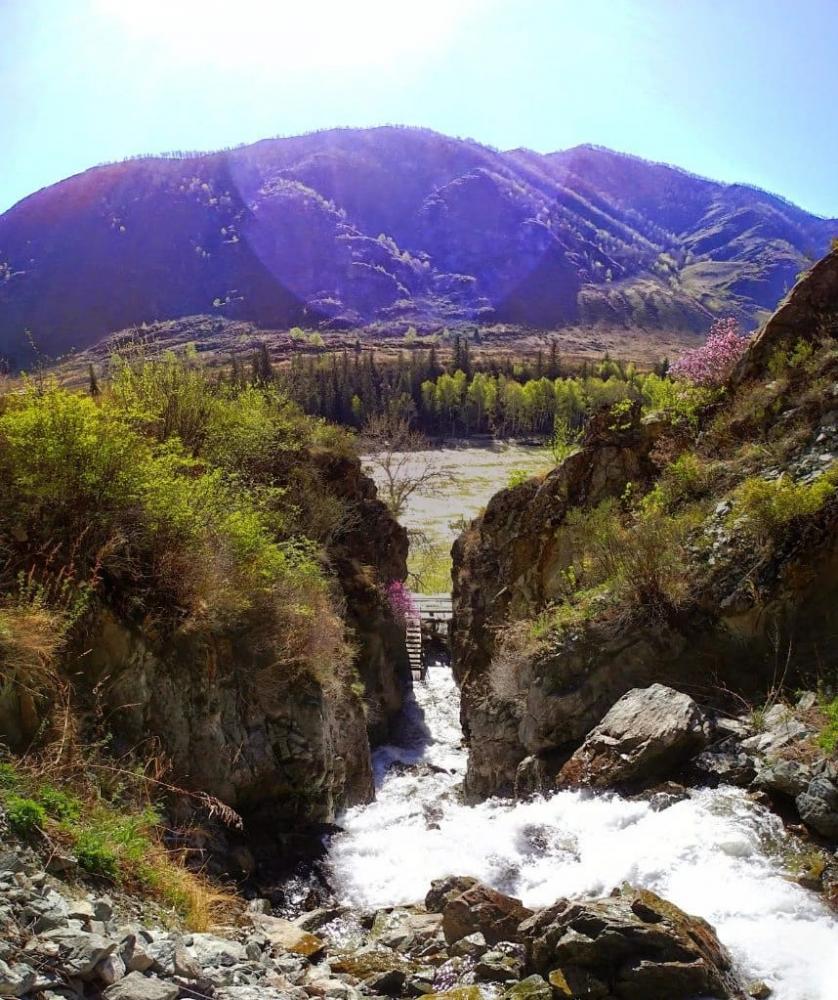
[{"x": 93, "y": 381}]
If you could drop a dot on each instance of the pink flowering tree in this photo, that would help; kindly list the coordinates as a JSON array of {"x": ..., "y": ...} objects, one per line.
[
  {"x": 712, "y": 363},
  {"x": 401, "y": 602}
]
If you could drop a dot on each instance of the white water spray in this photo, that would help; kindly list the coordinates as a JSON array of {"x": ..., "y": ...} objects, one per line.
[{"x": 716, "y": 854}]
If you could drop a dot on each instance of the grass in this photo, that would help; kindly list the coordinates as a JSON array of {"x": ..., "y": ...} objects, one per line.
[
  {"x": 828, "y": 736},
  {"x": 763, "y": 507},
  {"x": 115, "y": 837}
]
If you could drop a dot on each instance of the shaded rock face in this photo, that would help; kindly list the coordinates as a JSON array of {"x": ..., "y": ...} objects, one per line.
[
  {"x": 368, "y": 553},
  {"x": 648, "y": 734},
  {"x": 510, "y": 560},
  {"x": 632, "y": 946}
]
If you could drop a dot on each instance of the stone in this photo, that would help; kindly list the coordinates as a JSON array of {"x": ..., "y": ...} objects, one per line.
[
  {"x": 313, "y": 920},
  {"x": 78, "y": 952},
  {"x": 9, "y": 863},
  {"x": 136, "y": 986},
  {"x": 16, "y": 979},
  {"x": 531, "y": 988},
  {"x": 758, "y": 989},
  {"x": 209, "y": 950},
  {"x": 806, "y": 701},
  {"x": 471, "y": 946},
  {"x": 574, "y": 983},
  {"x": 647, "y": 734},
  {"x": 502, "y": 964},
  {"x": 724, "y": 764},
  {"x": 247, "y": 992},
  {"x": 110, "y": 970},
  {"x": 641, "y": 946},
  {"x": 260, "y": 906},
  {"x": 530, "y": 778},
  {"x": 483, "y": 909},
  {"x": 443, "y": 889},
  {"x": 818, "y": 807},
  {"x": 788, "y": 777},
  {"x": 287, "y": 936}
]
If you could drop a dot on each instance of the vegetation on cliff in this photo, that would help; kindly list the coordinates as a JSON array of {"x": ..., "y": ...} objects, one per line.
[
  {"x": 683, "y": 549},
  {"x": 185, "y": 511}
]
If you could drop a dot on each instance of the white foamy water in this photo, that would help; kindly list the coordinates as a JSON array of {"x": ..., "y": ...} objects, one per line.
[{"x": 715, "y": 854}]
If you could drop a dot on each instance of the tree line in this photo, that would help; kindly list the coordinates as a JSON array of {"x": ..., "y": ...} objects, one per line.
[{"x": 503, "y": 397}]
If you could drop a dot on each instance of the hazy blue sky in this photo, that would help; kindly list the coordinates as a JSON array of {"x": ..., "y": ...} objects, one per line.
[{"x": 734, "y": 89}]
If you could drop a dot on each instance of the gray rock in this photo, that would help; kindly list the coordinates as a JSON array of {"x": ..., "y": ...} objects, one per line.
[
  {"x": 248, "y": 992},
  {"x": 209, "y": 950},
  {"x": 136, "y": 986},
  {"x": 260, "y": 906},
  {"x": 647, "y": 734},
  {"x": 818, "y": 807},
  {"x": 110, "y": 970},
  {"x": 78, "y": 952},
  {"x": 16, "y": 979},
  {"x": 807, "y": 701},
  {"x": 313, "y": 920},
  {"x": 503, "y": 963},
  {"x": 9, "y": 863},
  {"x": 785, "y": 776},
  {"x": 471, "y": 946}
]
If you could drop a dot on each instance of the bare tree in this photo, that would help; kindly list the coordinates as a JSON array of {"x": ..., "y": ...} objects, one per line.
[{"x": 399, "y": 458}]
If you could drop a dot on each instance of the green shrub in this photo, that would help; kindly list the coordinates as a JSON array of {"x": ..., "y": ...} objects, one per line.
[
  {"x": 94, "y": 855},
  {"x": 764, "y": 506},
  {"x": 59, "y": 804},
  {"x": 25, "y": 816},
  {"x": 9, "y": 777},
  {"x": 828, "y": 736},
  {"x": 686, "y": 479},
  {"x": 517, "y": 477}
]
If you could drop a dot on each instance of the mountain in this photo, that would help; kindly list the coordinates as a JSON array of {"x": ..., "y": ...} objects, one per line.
[{"x": 390, "y": 226}]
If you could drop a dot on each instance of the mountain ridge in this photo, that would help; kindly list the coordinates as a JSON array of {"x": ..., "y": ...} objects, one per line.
[{"x": 393, "y": 226}]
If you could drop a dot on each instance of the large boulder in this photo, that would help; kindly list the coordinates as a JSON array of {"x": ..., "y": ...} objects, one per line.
[
  {"x": 631, "y": 946},
  {"x": 484, "y": 910},
  {"x": 647, "y": 735},
  {"x": 818, "y": 806}
]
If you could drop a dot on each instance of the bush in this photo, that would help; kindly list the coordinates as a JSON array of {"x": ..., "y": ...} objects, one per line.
[
  {"x": 59, "y": 804},
  {"x": 764, "y": 506},
  {"x": 712, "y": 363},
  {"x": 95, "y": 856},
  {"x": 828, "y": 736},
  {"x": 25, "y": 816}
]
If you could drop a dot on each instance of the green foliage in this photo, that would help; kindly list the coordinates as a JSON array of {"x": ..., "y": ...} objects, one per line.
[
  {"x": 686, "y": 479},
  {"x": 764, "y": 506},
  {"x": 828, "y": 736},
  {"x": 517, "y": 477},
  {"x": 678, "y": 400},
  {"x": 782, "y": 361},
  {"x": 95, "y": 856},
  {"x": 199, "y": 502},
  {"x": 59, "y": 804},
  {"x": 25, "y": 815}
]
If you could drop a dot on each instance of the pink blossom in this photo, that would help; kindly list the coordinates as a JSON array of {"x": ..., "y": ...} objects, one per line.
[
  {"x": 401, "y": 602},
  {"x": 713, "y": 362}
]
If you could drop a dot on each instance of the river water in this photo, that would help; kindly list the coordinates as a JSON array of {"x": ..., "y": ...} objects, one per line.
[{"x": 717, "y": 854}]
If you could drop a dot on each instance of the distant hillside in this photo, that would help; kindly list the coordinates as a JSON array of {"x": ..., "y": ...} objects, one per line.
[{"x": 391, "y": 226}]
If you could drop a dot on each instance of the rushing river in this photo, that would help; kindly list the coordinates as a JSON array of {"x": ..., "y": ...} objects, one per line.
[{"x": 716, "y": 854}]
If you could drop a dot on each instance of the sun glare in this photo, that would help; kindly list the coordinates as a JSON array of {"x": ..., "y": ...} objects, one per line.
[{"x": 327, "y": 34}]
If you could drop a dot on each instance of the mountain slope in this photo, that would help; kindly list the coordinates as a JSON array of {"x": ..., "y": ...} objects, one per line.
[{"x": 392, "y": 225}]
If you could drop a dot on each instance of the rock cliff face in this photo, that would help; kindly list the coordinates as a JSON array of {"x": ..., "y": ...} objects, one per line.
[
  {"x": 510, "y": 561},
  {"x": 284, "y": 747},
  {"x": 754, "y": 611}
]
